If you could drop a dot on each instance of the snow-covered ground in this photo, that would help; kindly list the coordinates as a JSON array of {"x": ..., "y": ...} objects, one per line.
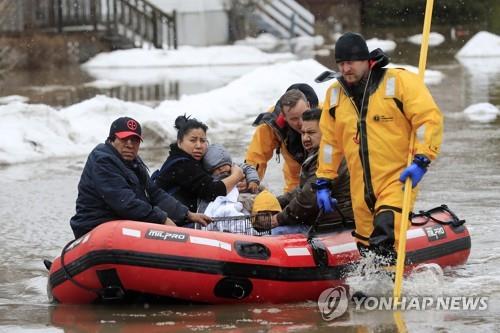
[
  {"x": 268, "y": 42},
  {"x": 206, "y": 66},
  {"x": 38, "y": 132},
  {"x": 187, "y": 56}
]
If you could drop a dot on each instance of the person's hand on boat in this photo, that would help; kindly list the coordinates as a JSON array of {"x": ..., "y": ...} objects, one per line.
[
  {"x": 169, "y": 221},
  {"x": 324, "y": 199},
  {"x": 199, "y": 218},
  {"x": 416, "y": 170}
]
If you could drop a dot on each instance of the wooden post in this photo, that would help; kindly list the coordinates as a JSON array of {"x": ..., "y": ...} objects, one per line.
[
  {"x": 115, "y": 16},
  {"x": 52, "y": 17},
  {"x": 174, "y": 22},
  {"x": 108, "y": 18},
  {"x": 93, "y": 14},
  {"x": 155, "y": 28},
  {"x": 59, "y": 16}
]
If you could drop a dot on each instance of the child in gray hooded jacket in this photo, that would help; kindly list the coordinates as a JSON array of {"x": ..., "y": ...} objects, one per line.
[{"x": 217, "y": 161}]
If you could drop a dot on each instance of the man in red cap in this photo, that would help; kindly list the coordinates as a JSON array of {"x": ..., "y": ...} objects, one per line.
[{"x": 115, "y": 185}]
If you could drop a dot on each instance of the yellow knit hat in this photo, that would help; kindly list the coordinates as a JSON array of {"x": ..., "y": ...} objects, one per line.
[{"x": 265, "y": 201}]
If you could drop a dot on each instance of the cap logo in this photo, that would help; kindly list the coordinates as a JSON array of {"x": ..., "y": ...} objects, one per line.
[{"x": 132, "y": 125}]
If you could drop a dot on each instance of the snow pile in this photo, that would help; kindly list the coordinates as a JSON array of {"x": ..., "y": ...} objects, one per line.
[
  {"x": 38, "y": 132},
  {"x": 13, "y": 98},
  {"x": 386, "y": 45},
  {"x": 431, "y": 77},
  {"x": 267, "y": 42},
  {"x": 482, "y": 112},
  {"x": 186, "y": 56},
  {"x": 482, "y": 44},
  {"x": 103, "y": 84},
  {"x": 435, "y": 39}
]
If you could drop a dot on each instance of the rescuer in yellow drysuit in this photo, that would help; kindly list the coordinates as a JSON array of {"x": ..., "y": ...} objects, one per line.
[{"x": 368, "y": 116}]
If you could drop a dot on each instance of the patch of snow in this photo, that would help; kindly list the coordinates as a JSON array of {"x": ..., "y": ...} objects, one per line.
[
  {"x": 431, "y": 77},
  {"x": 186, "y": 56},
  {"x": 102, "y": 84},
  {"x": 13, "y": 99},
  {"x": 385, "y": 44},
  {"x": 483, "y": 44},
  {"x": 435, "y": 39},
  {"x": 482, "y": 112}
]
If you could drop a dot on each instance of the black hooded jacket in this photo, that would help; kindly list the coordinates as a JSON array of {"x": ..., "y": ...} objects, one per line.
[
  {"x": 113, "y": 189},
  {"x": 187, "y": 180}
]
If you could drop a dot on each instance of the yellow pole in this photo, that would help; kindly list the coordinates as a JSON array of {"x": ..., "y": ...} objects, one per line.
[
  {"x": 400, "y": 322},
  {"x": 398, "y": 282}
]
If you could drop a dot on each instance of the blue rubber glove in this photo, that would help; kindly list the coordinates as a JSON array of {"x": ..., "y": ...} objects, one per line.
[
  {"x": 326, "y": 203},
  {"x": 416, "y": 170}
]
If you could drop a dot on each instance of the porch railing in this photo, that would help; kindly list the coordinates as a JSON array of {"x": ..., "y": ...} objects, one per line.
[{"x": 137, "y": 20}]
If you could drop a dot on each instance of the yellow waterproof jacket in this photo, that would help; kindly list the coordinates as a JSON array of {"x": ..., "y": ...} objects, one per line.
[
  {"x": 375, "y": 141},
  {"x": 261, "y": 149}
]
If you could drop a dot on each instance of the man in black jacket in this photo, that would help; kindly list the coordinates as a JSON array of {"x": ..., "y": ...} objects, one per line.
[
  {"x": 115, "y": 185},
  {"x": 300, "y": 209}
]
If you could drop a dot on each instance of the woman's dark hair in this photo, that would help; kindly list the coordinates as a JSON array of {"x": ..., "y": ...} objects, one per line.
[
  {"x": 184, "y": 124},
  {"x": 312, "y": 114}
]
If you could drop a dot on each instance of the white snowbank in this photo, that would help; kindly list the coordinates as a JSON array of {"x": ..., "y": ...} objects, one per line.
[
  {"x": 13, "y": 98},
  {"x": 38, "y": 132},
  {"x": 149, "y": 76},
  {"x": 431, "y": 77},
  {"x": 186, "y": 56},
  {"x": 385, "y": 44},
  {"x": 103, "y": 84},
  {"x": 482, "y": 112},
  {"x": 482, "y": 44},
  {"x": 435, "y": 39},
  {"x": 267, "y": 42}
]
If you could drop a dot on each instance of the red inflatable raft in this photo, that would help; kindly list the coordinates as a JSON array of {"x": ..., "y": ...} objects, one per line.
[{"x": 128, "y": 261}]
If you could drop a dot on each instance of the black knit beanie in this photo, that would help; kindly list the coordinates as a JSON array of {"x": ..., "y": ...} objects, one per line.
[
  {"x": 351, "y": 46},
  {"x": 308, "y": 91}
]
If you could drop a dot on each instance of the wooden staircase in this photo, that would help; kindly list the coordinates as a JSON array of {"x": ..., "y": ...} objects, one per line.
[
  {"x": 285, "y": 18},
  {"x": 136, "y": 22}
]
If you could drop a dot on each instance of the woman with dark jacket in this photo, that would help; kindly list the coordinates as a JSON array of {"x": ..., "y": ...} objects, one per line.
[{"x": 182, "y": 175}]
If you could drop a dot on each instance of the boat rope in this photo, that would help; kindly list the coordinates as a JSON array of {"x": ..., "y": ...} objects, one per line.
[{"x": 98, "y": 291}]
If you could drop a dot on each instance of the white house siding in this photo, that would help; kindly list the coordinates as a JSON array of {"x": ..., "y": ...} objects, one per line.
[{"x": 199, "y": 22}]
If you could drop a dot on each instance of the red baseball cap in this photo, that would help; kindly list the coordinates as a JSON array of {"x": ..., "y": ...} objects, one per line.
[{"x": 124, "y": 127}]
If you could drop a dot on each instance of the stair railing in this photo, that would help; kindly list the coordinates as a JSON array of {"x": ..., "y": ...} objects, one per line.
[{"x": 287, "y": 16}]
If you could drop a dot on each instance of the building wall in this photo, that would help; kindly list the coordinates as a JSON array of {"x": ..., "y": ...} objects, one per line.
[{"x": 199, "y": 22}]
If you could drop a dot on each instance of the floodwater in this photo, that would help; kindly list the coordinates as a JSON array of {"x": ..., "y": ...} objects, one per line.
[{"x": 37, "y": 200}]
